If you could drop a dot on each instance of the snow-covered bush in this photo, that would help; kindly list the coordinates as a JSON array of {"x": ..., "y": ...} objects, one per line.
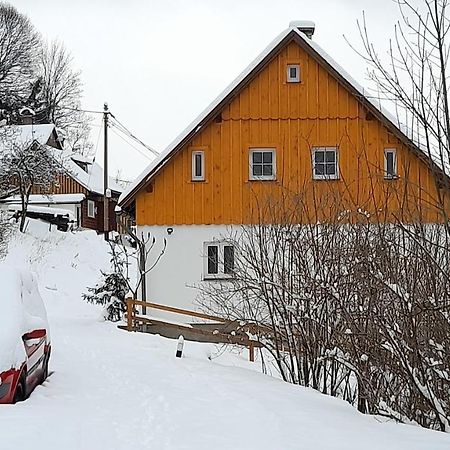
[{"x": 354, "y": 308}]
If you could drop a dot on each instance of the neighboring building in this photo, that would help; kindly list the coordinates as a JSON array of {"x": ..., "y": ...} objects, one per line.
[
  {"x": 77, "y": 195},
  {"x": 293, "y": 122}
]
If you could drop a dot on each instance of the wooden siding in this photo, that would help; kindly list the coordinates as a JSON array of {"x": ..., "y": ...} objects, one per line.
[
  {"x": 292, "y": 118},
  {"x": 64, "y": 185},
  {"x": 67, "y": 185},
  {"x": 96, "y": 223}
]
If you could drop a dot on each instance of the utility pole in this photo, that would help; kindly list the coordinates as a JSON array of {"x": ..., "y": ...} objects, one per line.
[{"x": 106, "y": 191}]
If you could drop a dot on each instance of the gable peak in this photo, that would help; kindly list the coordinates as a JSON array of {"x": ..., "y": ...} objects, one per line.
[{"x": 307, "y": 27}]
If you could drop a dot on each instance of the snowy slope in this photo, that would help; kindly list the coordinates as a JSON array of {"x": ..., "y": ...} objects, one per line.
[{"x": 116, "y": 390}]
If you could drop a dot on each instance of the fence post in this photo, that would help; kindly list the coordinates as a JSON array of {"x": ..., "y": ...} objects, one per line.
[{"x": 129, "y": 301}]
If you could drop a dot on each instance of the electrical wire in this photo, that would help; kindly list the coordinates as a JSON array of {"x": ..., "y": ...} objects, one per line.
[
  {"x": 119, "y": 126},
  {"x": 130, "y": 144},
  {"x": 125, "y": 130},
  {"x": 90, "y": 111},
  {"x": 130, "y": 135}
]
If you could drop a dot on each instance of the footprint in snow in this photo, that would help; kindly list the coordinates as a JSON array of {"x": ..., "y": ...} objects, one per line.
[{"x": 51, "y": 288}]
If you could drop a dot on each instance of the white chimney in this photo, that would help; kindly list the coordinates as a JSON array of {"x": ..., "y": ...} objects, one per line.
[{"x": 305, "y": 26}]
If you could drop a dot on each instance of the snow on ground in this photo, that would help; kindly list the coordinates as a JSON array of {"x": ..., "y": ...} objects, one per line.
[{"x": 117, "y": 390}]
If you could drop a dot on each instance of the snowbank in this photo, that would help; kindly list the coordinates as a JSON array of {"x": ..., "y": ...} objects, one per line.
[{"x": 22, "y": 311}]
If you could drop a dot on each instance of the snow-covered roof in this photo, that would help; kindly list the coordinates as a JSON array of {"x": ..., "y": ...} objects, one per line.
[
  {"x": 54, "y": 199},
  {"x": 50, "y": 211},
  {"x": 92, "y": 180},
  {"x": 27, "y": 134},
  {"x": 81, "y": 158},
  {"x": 205, "y": 116}
]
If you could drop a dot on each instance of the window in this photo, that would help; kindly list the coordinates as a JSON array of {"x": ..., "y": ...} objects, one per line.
[
  {"x": 91, "y": 208},
  {"x": 325, "y": 164},
  {"x": 293, "y": 73},
  {"x": 228, "y": 259},
  {"x": 219, "y": 260},
  {"x": 198, "y": 166},
  {"x": 262, "y": 164},
  {"x": 390, "y": 163}
]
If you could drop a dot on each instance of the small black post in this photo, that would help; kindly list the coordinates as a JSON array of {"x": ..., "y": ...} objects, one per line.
[{"x": 180, "y": 346}]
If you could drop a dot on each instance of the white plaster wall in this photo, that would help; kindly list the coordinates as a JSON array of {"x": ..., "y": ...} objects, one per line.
[{"x": 181, "y": 266}]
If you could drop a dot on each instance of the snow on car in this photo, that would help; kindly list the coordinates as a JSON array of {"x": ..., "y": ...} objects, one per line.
[{"x": 24, "y": 335}]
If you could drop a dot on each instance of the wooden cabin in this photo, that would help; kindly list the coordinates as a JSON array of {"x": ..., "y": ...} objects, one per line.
[
  {"x": 293, "y": 129},
  {"x": 77, "y": 195}
]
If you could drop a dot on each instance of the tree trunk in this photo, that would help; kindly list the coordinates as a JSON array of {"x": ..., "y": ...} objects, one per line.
[{"x": 24, "y": 197}]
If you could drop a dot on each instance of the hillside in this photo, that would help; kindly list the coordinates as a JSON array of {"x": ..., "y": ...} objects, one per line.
[{"x": 116, "y": 390}]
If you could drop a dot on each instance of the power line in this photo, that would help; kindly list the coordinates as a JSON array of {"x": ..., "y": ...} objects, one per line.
[
  {"x": 120, "y": 126},
  {"x": 130, "y": 134},
  {"x": 130, "y": 144},
  {"x": 90, "y": 111}
]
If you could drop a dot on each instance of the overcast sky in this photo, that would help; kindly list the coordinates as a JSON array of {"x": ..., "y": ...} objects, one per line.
[{"x": 158, "y": 64}]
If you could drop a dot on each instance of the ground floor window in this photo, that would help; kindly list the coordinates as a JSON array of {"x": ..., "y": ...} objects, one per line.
[
  {"x": 218, "y": 260},
  {"x": 91, "y": 208}
]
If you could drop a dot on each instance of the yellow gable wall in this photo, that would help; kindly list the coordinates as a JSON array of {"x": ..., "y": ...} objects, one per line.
[{"x": 293, "y": 118}]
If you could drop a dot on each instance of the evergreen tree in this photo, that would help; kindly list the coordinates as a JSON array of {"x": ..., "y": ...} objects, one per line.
[{"x": 110, "y": 293}]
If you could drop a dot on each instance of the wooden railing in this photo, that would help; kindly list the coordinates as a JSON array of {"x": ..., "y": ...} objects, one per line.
[{"x": 133, "y": 319}]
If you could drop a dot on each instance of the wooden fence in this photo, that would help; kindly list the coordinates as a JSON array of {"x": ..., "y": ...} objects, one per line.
[{"x": 136, "y": 323}]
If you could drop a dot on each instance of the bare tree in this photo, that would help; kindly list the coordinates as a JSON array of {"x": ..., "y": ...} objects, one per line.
[
  {"x": 40, "y": 76},
  {"x": 139, "y": 248},
  {"x": 19, "y": 48},
  {"x": 129, "y": 268},
  {"x": 26, "y": 166},
  {"x": 413, "y": 77},
  {"x": 60, "y": 93},
  {"x": 350, "y": 306}
]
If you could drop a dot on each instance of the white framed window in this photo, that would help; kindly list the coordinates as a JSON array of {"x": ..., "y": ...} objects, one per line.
[
  {"x": 262, "y": 163},
  {"x": 91, "y": 208},
  {"x": 293, "y": 73},
  {"x": 325, "y": 163},
  {"x": 198, "y": 165},
  {"x": 390, "y": 163},
  {"x": 218, "y": 260}
]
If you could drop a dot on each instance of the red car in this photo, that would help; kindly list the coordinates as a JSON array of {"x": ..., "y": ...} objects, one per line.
[{"x": 24, "y": 335}]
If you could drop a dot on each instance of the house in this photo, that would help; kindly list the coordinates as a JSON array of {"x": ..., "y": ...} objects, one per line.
[
  {"x": 293, "y": 122},
  {"x": 77, "y": 196}
]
